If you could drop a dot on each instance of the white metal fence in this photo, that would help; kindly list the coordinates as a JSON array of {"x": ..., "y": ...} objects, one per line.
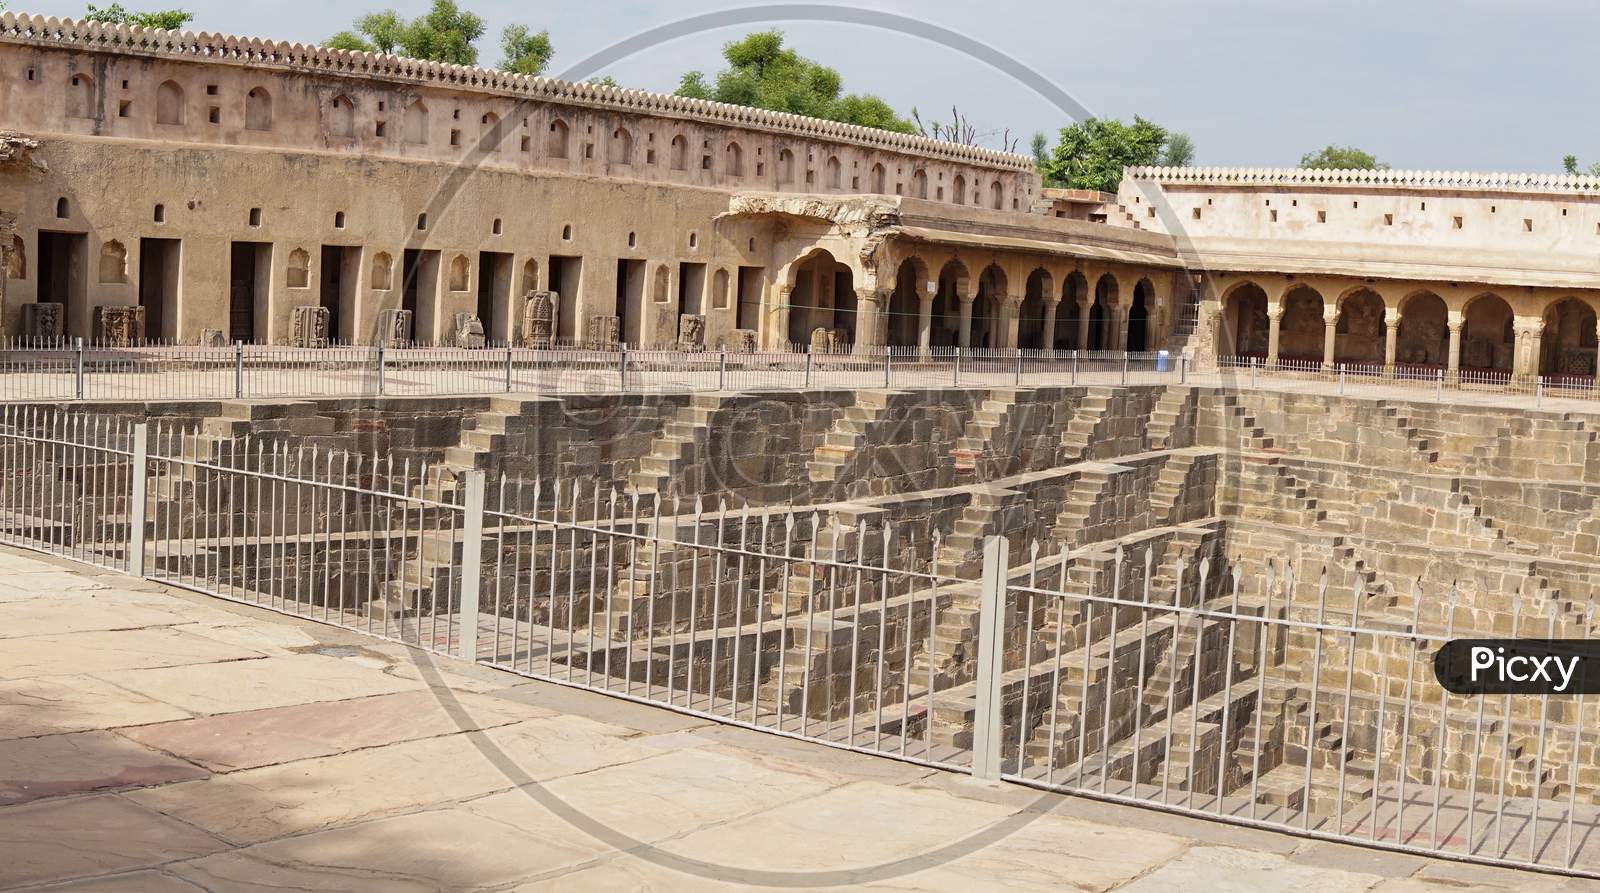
[
  {"x": 1253, "y": 696},
  {"x": 54, "y": 371}
]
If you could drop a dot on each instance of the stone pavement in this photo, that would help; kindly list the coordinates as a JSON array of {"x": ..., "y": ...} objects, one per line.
[{"x": 154, "y": 740}]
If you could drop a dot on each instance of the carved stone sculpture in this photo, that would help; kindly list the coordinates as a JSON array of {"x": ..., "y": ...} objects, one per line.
[
  {"x": 539, "y": 319},
  {"x": 308, "y": 326},
  {"x": 469, "y": 331},
  {"x": 604, "y": 331},
  {"x": 740, "y": 341},
  {"x": 691, "y": 332},
  {"x": 118, "y": 326},
  {"x": 394, "y": 328},
  {"x": 42, "y": 320},
  {"x": 823, "y": 340},
  {"x": 213, "y": 338}
]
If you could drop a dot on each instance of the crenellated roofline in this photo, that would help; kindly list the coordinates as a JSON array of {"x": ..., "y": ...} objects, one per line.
[{"x": 282, "y": 55}]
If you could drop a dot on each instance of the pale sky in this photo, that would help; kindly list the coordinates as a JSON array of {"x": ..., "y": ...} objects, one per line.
[{"x": 1432, "y": 84}]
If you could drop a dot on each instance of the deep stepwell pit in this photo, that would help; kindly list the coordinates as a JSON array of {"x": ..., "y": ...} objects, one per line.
[{"x": 1389, "y": 516}]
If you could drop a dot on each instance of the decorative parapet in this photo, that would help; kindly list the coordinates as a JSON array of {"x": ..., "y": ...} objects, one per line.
[
  {"x": 208, "y": 47},
  {"x": 1274, "y": 176}
]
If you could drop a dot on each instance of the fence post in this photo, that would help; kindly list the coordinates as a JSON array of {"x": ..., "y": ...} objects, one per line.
[
  {"x": 722, "y": 369},
  {"x": 381, "y": 364},
  {"x": 888, "y": 364},
  {"x": 1124, "y": 369},
  {"x": 238, "y": 370},
  {"x": 1252, "y": 372},
  {"x": 808, "y": 370},
  {"x": 955, "y": 378},
  {"x": 1074, "y": 366},
  {"x": 1341, "y": 379},
  {"x": 77, "y": 347},
  {"x": 1438, "y": 385},
  {"x": 1019, "y": 367},
  {"x": 136, "y": 507},
  {"x": 508, "y": 367},
  {"x": 471, "y": 563},
  {"x": 622, "y": 368},
  {"x": 1538, "y": 390},
  {"x": 986, "y": 740}
]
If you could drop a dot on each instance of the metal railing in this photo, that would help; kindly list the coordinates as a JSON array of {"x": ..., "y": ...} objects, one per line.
[
  {"x": 55, "y": 371},
  {"x": 1251, "y": 694},
  {"x": 1424, "y": 381},
  {"x": 1236, "y": 696}
]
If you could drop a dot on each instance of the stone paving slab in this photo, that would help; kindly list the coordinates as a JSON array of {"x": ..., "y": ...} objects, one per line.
[
  {"x": 55, "y": 765},
  {"x": 41, "y": 705},
  {"x": 113, "y": 651},
  {"x": 51, "y": 840},
  {"x": 257, "y": 738},
  {"x": 244, "y": 750},
  {"x": 446, "y": 849},
  {"x": 268, "y": 682}
]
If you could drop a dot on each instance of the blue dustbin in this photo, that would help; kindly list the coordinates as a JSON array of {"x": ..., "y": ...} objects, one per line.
[{"x": 1161, "y": 361}]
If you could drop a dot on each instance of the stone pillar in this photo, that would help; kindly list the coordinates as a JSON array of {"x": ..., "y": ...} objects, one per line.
[
  {"x": 966, "y": 320},
  {"x": 870, "y": 304},
  {"x": 1329, "y": 325},
  {"x": 1530, "y": 332},
  {"x": 778, "y": 329},
  {"x": 1050, "y": 325},
  {"x": 1083, "y": 323},
  {"x": 1453, "y": 364},
  {"x": 1274, "y": 329},
  {"x": 1013, "y": 321},
  {"x": 1391, "y": 331},
  {"x": 925, "y": 321}
]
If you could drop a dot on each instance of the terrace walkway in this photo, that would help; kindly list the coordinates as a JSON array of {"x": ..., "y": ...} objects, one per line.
[{"x": 153, "y": 739}]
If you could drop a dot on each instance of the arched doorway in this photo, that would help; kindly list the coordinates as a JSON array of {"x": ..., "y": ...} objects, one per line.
[
  {"x": 1102, "y": 314},
  {"x": 1300, "y": 332},
  {"x": 1488, "y": 339},
  {"x": 1244, "y": 330},
  {"x": 1358, "y": 335},
  {"x": 1424, "y": 337},
  {"x": 947, "y": 305},
  {"x": 1030, "y": 324},
  {"x": 905, "y": 304},
  {"x": 822, "y": 297},
  {"x": 1139, "y": 316},
  {"x": 986, "y": 321},
  {"x": 1567, "y": 347},
  {"x": 1070, "y": 312}
]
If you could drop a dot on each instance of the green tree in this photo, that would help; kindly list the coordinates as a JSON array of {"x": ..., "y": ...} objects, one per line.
[
  {"x": 1179, "y": 151},
  {"x": 764, "y": 74},
  {"x": 445, "y": 33},
  {"x": 1350, "y": 158},
  {"x": 523, "y": 51},
  {"x": 1092, "y": 153},
  {"x": 1569, "y": 164},
  {"x": 115, "y": 14}
]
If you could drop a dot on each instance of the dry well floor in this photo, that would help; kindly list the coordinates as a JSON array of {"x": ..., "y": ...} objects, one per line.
[{"x": 155, "y": 740}]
